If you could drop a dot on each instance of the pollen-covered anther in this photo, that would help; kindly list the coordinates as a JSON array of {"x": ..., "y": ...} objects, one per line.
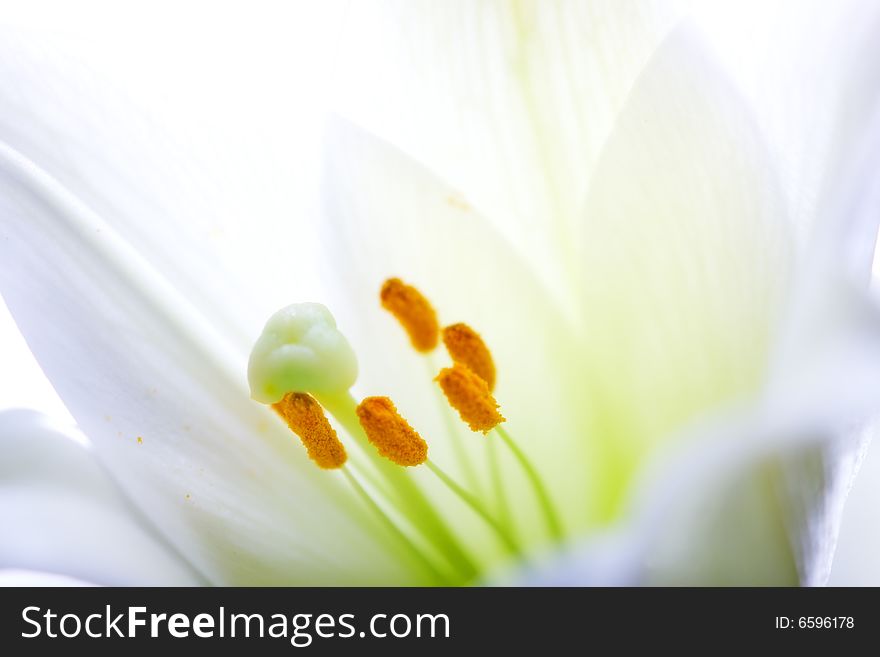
[
  {"x": 469, "y": 394},
  {"x": 414, "y": 312},
  {"x": 306, "y": 419},
  {"x": 465, "y": 346},
  {"x": 389, "y": 433}
]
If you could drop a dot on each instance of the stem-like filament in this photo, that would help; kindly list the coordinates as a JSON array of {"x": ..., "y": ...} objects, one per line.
[
  {"x": 508, "y": 540},
  {"x": 544, "y": 500},
  {"x": 452, "y": 429},
  {"x": 498, "y": 486},
  {"x": 409, "y": 496},
  {"x": 396, "y": 531}
]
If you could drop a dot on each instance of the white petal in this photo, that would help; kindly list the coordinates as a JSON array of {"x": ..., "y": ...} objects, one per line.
[
  {"x": 62, "y": 514},
  {"x": 24, "y": 385},
  {"x": 31, "y": 579},
  {"x": 388, "y": 216},
  {"x": 855, "y": 562},
  {"x": 811, "y": 72},
  {"x": 752, "y": 495},
  {"x": 202, "y": 157},
  {"x": 753, "y": 511},
  {"x": 685, "y": 260},
  {"x": 510, "y": 102},
  {"x": 771, "y": 520},
  {"x": 164, "y": 400}
]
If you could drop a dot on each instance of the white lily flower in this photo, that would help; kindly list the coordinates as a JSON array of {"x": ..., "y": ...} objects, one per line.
[{"x": 683, "y": 352}]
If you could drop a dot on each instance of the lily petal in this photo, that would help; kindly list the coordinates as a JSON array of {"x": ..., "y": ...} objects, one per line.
[
  {"x": 761, "y": 520},
  {"x": 511, "y": 101},
  {"x": 163, "y": 399},
  {"x": 58, "y": 509},
  {"x": 785, "y": 505},
  {"x": 752, "y": 495},
  {"x": 34, "y": 579},
  {"x": 203, "y": 158},
  {"x": 811, "y": 74},
  {"x": 685, "y": 260}
]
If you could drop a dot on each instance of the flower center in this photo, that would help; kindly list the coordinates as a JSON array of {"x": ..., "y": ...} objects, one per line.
[{"x": 301, "y": 365}]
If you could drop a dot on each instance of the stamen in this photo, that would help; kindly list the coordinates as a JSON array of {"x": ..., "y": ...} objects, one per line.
[
  {"x": 469, "y": 395},
  {"x": 466, "y": 497},
  {"x": 389, "y": 433},
  {"x": 408, "y": 496},
  {"x": 414, "y": 312},
  {"x": 465, "y": 346},
  {"x": 306, "y": 419},
  {"x": 553, "y": 522},
  {"x": 395, "y": 530}
]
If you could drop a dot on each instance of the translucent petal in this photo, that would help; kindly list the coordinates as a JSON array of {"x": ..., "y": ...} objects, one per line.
[
  {"x": 58, "y": 509},
  {"x": 811, "y": 73},
  {"x": 202, "y": 158},
  {"x": 32, "y": 579},
  {"x": 753, "y": 495},
  {"x": 685, "y": 260},
  {"x": 509, "y": 101},
  {"x": 165, "y": 402}
]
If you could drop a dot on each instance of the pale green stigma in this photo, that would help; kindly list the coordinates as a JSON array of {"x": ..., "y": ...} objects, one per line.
[{"x": 300, "y": 350}]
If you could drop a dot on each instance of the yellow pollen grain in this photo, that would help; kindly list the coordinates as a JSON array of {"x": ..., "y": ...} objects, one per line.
[
  {"x": 469, "y": 395},
  {"x": 140, "y": 440},
  {"x": 414, "y": 312},
  {"x": 465, "y": 346},
  {"x": 389, "y": 433},
  {"x": 306, "y": 419},
  {"x": 458, "y": 203}
]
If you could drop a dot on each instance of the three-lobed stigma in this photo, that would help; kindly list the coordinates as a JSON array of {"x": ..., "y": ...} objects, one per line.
[{"x": 300, "y": 350}]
